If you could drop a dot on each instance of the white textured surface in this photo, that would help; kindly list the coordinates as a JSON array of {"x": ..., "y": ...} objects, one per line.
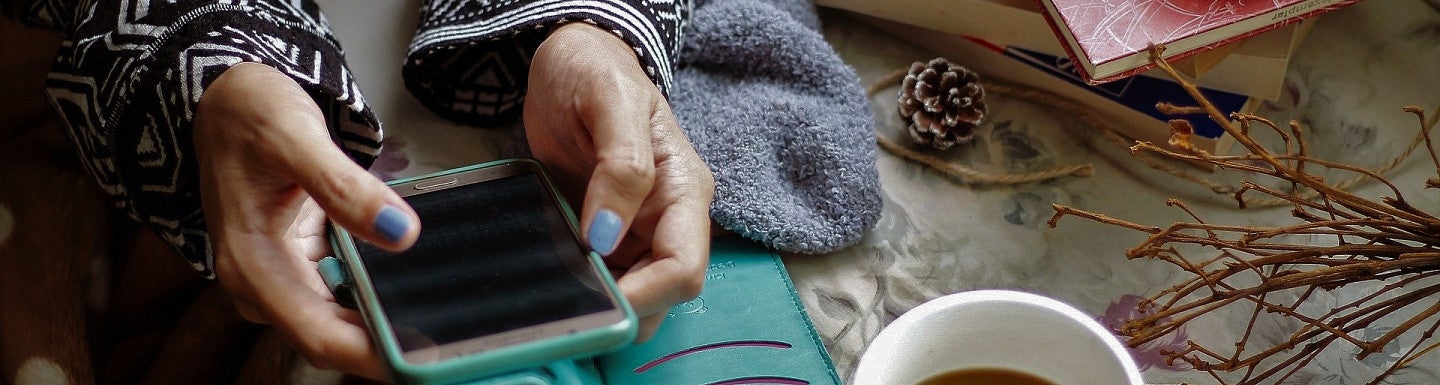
[{"x": 40, "y": 371}]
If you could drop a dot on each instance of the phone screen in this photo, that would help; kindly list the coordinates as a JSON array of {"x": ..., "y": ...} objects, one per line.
[{"x": 493, "y": 257}]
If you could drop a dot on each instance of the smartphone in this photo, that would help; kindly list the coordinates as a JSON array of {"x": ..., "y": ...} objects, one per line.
[{"x": 499, "y": 279}]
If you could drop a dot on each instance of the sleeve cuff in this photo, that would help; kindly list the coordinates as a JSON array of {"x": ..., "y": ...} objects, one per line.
[
  {"x": 469, "y": 61},
  {"x": 134, "y": 130},
  {"x": 51, "y": 15}
]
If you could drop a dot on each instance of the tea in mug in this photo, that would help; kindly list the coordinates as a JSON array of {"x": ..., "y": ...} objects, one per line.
[{"x": 985, "y": 376}]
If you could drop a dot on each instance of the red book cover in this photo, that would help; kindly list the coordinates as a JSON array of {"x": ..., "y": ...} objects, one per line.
[{"x": 1110, "y": 39}]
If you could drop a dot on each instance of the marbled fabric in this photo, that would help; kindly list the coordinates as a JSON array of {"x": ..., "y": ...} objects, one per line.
[{"x": 1347, "y": 84}]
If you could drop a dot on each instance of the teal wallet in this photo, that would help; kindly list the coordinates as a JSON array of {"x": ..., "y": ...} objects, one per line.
[{"x": 747, "y": 327}]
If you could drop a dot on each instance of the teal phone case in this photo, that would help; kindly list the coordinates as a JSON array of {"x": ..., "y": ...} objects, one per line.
[
  {"x": 488, "y": 364},
  {"x": 748, "y": 326}
]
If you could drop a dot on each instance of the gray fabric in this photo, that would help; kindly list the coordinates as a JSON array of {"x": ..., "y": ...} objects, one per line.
[{"x": 783, "y": 123}]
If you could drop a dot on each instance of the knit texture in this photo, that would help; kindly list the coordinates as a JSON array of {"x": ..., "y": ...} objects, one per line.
[{"x": 783, "y": 123}]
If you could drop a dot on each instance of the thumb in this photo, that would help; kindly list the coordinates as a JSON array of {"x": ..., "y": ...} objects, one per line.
[
  {"x": 356, "y": 200},
  {"x": 273, "y": 122},
  {"x": 350, "y": 196}
]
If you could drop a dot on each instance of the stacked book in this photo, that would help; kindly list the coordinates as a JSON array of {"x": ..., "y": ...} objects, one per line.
[{"x": 1096, "y": 52}]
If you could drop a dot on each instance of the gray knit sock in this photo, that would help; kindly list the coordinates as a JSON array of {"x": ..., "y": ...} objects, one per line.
[{"x": 783, "y": 123}]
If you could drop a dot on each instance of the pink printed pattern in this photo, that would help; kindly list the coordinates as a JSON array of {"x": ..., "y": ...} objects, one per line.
[
  {"x": 1152, "y": 354},
  {"x": 1110, "y": 29}
]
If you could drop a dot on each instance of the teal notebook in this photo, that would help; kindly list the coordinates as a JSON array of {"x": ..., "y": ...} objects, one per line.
[{"x": 747, "y": 327}]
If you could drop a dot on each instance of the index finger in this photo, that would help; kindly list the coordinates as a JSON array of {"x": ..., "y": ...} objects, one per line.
[
  {"x": 674, "y": 271},
  {"x": 327, "y": 335},
  {"x": 290, "y": 297}
]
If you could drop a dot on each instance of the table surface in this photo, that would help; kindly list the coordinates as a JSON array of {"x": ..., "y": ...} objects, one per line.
[{"x": 1348, "y": 82}]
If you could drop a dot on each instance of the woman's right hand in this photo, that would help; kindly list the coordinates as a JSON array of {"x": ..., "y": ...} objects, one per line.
[{"x": 270, "y": 177}]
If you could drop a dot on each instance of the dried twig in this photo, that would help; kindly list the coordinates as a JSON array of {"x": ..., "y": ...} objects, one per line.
[{"x": 1347, "y": 239}]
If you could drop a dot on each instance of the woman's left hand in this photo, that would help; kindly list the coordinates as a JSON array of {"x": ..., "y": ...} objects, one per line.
[{"x": 606, "y": 133}]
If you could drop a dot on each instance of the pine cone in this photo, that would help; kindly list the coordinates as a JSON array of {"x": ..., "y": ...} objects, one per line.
[{"x": 942, "y": 103}]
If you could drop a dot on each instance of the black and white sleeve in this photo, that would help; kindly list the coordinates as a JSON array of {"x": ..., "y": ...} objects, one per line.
[
  {"x": 130, "y": 72},
  {"x": 470, "y": 59}
]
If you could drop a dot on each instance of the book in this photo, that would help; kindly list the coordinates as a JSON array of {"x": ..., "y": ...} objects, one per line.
[
  {"x": 1110, "y": 40},
  {"x": 1006, "y": 22},
  {"x": 1254, "y": 66},
  {"x": 1138, "y": 93},
  {"x": 1128, "y": 105}
]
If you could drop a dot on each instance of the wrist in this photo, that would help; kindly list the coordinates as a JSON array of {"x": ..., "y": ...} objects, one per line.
[{"x": 581, "y": 36}]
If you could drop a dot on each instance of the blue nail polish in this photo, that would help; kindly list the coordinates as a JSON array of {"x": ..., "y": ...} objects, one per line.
[
  {"x": 392, "y": 223},
  {"x": 604, "y": 231}
]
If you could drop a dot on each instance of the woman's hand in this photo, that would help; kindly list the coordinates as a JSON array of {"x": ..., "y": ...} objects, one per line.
[
  {"x": 270, "y": 176},
  {"x": 607, "y": 134}
]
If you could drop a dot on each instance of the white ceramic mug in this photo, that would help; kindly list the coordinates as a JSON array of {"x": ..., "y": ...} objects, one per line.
[{"x": 996, "y": 329}]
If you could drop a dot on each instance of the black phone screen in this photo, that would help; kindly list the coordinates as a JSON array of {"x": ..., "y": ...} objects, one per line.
[{"x": 492, "y": 257}]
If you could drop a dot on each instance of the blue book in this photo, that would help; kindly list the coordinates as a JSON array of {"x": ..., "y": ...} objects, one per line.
[{"x": 1139, "y": 93}]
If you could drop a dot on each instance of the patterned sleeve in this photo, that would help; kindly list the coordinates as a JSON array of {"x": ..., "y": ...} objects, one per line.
[
  {"x": 39, "y": 13},
  {"x": 130, "y": 72},
  {"x": 470, "y": 59}
]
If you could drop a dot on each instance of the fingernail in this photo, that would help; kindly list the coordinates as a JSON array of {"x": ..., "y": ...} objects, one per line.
[
  {"x": 604, "y": 230},
  {"x": 392, "y": 223}
]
